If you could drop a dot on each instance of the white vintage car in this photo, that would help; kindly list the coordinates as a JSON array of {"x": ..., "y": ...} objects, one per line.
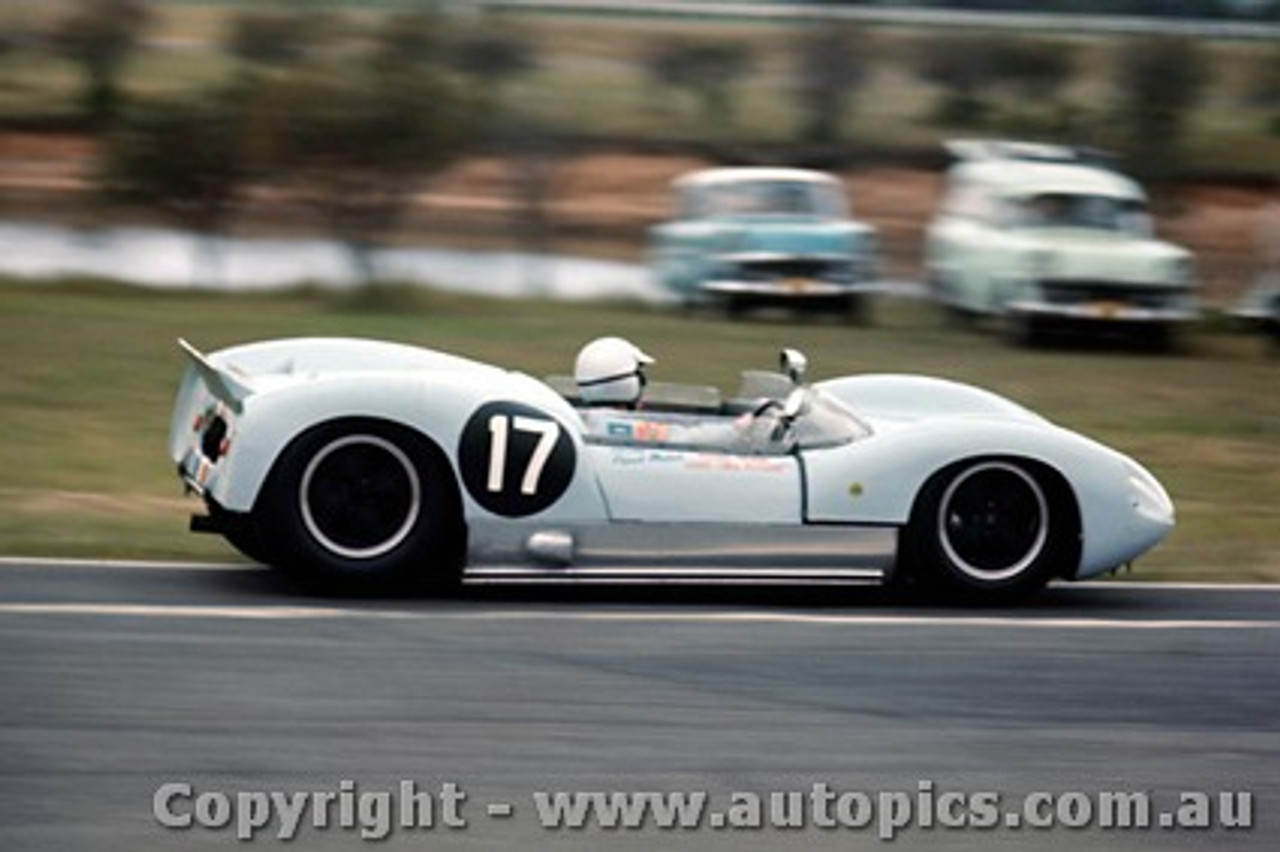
[
  {"x": 1044, "y": 235},
  {"x": 748, "y": 236},
  {"x": 372, "y": 465}
]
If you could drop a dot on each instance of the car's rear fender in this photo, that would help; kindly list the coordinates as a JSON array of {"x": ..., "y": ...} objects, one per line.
[{"x": 437, "y": 406}]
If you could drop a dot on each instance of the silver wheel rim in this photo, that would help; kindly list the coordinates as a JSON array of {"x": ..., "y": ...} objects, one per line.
[
  {"x": 314, "y": 521},
  {"x": 962, "y": 529}
]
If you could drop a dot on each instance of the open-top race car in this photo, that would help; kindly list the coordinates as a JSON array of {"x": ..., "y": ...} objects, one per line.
[{"x": 371, "y": 466}]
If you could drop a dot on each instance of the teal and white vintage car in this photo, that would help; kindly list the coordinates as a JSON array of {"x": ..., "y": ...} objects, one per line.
[
  {"x": 751, "y": 236},
  {"x": 1045, "y": 235}
]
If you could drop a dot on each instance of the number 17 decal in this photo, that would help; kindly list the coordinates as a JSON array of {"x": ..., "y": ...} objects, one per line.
[
  {"x": 515, "y": 460},
  {"x": 500, "y": 425}
]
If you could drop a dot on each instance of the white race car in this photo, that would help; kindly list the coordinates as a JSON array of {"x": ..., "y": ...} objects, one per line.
[{"x": 371, "y": 466}]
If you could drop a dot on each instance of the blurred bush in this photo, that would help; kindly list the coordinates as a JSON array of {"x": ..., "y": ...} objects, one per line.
[
  {"x": 831, "y": 65},
  {"x": 351, "y": 142},
  {"x": 1159, "y": 82},
  {"x": 99, "y": 36},
  {"x": 705, "y": 68}
]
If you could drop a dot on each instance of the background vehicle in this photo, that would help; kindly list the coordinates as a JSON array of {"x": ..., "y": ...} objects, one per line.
[
  {"x": 369, "y": 466},
  {"x": 1043, "y": 235},
  {"x": 764, "y": 236}
]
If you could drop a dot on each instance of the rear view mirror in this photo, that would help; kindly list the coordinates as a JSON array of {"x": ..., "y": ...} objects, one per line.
[{"x": 794, "y": 365}]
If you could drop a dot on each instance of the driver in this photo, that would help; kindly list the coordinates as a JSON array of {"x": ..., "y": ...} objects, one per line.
[
  {"x": 610, "y": 371},
  {"x": 610, "y": 375}
]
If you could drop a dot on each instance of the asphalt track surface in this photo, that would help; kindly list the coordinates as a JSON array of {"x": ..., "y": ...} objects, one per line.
[{"x": 119, "y": 678}]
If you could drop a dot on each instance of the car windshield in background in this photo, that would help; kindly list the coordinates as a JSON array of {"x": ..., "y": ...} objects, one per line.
[
  {"x": 1076, "y": 210},
  {"x": 774, "y": 198}
]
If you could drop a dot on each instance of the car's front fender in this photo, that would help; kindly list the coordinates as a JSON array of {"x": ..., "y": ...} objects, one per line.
[{"x": 1123, "y": 509}]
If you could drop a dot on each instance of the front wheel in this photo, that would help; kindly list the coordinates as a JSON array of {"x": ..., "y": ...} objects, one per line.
[
  {"x": 363, "y": 506},
  {"x": 989, "y": 530}
]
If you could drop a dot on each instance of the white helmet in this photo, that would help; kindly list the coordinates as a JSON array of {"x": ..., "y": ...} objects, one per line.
[{"x": 610, "y": 369}]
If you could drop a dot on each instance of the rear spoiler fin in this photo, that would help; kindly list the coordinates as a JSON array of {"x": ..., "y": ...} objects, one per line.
[{"x": 222, "y": 382}]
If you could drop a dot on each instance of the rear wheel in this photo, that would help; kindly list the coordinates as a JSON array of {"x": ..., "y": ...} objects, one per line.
[
  {"x": 363, "y": 506},
  {"x": 991, "y": 530}
]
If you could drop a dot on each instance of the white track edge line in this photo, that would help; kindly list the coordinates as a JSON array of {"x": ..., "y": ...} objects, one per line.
[
  {"x": 268, "y": 612},
  {"x": 165, "y": 565}
]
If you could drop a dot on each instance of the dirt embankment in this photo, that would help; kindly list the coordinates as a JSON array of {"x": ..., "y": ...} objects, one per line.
[{"x": 600, "y": 203}]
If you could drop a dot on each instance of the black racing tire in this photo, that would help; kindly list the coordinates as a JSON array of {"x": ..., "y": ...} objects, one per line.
[
  {"x": 362, "y": 506},
  {"x": 991, "y": 531}
]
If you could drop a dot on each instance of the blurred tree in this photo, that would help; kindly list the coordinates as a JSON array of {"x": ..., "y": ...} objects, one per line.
[
  {"x": 705, "y": 68},
  {"x": 1032, "y": 69},
  {"x": 100, "y": 35},
  {"x": 961, "y": 67},
  {"x": 1032, "y": 75},
  {"x": 492, "y": 55},
  {"x": 831, "y": 64},
  {"x": 357, "y": 148},
  {"x": 1262, "y": 86},
  {"x": 353, "y": 144},
  {"x": 972, "y": 71},
  {"x": 1159, "y": 81},
  {"x": 1150, "y": 8},
  {"x": 408, "y": 42},
  {"x": 535, "y": 159},
  {"x": 1261, "y": 89},
  {"x": 280, "y": 37},
  {"x": 182, "y": 158}
]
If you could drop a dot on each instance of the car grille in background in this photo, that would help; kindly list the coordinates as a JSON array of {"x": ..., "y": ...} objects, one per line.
[
  {"x": 768, "y": 270},
  {"x": 1085, "y": 292}
]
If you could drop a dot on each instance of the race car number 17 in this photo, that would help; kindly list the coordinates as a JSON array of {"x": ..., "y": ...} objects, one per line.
[
  {"x": 514, "y": 459},
  {"x": 500, "y": 426}
]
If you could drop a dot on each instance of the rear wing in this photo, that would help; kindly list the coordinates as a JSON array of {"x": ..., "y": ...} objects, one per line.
[{"x": 223, "y": 382}]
